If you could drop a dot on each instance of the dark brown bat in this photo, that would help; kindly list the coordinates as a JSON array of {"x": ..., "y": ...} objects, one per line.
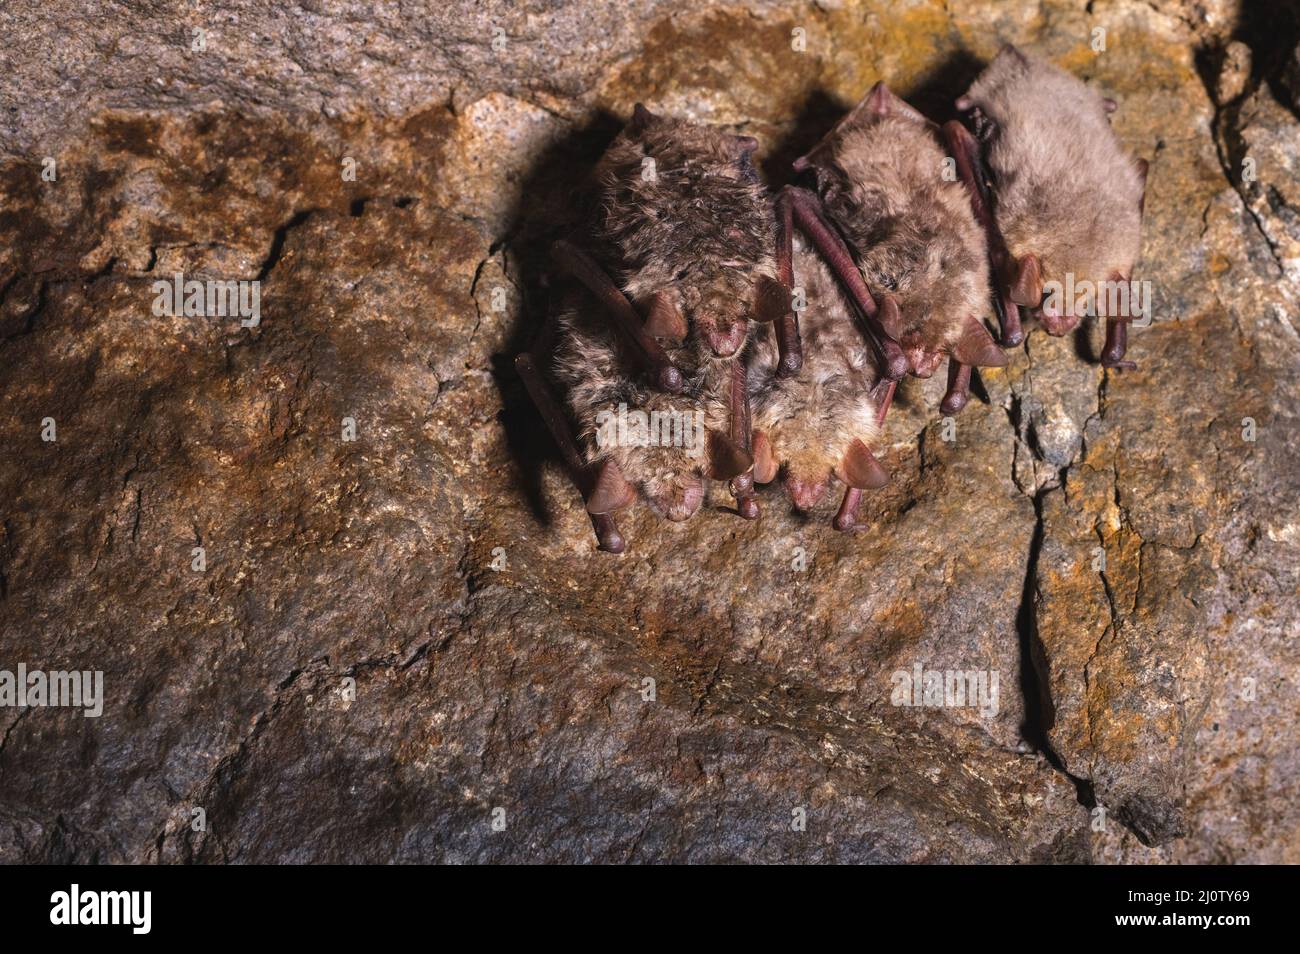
[
  {"x": 1059, "y": 197},
  {"x": 677, "y": 259},
  {"x": 821, "y": 424},
  {"x": 901, "y": 238}
]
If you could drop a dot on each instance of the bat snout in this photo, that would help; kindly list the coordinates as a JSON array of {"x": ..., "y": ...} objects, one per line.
[
  {"x": 804, "y": 494},
  {"x": 727, "y": 341},
  {"x": 924, "y": 363},
  {"x": 679, "y": 503}
]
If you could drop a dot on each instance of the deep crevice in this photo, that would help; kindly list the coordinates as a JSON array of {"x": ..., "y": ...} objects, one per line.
[
  {"x": 1040, "y": 711},
  {"x": 277, "y": 243}
]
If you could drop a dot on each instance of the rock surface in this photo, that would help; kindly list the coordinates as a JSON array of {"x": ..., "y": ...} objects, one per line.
[{"x": 404, "y": 647}]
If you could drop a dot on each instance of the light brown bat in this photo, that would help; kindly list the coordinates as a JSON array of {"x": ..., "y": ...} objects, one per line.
[
  {"x": 822, "y": 424},
  {"x": 896, "y": 227}
]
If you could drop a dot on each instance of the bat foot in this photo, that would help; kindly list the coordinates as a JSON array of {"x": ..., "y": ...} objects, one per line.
[
  {"x": 613, "y": 543},
  {"x": 747, "y": 507},
  {"x": 742, "y": 485},
  {"x": 670, "y": 380}
]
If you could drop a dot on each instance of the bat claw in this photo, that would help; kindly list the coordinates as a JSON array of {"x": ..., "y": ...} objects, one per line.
[
  {"x": 607, "y": 535},
  {"x": 953, "y": 403},
  {"x": 1112, "y": 354},
  {"x": 958, "y": 393}
]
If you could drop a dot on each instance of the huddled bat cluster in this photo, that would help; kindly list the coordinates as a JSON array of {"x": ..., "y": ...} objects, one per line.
[{"x": 711, "y": 332}]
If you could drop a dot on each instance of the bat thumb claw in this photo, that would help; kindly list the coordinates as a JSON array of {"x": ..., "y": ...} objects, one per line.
[
  {"x": 976, "y": 347},
  {"x": 727, "y": 459}
]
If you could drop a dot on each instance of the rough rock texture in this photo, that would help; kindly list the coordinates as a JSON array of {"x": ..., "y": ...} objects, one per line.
[{"x": 396, "y": 636}]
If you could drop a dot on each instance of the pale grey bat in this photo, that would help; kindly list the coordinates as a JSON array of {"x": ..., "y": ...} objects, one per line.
[{"x": 1059, "y": 196}]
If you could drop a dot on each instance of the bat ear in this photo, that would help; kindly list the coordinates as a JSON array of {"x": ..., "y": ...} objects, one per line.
[
  {"x": 1027, "y": 288},
  {"x": 611, "y": 491},
  {"x": 771, "y": 300},
  {"x": 976, "y": 347},
  {"x": 666, "y": 319},
  {"x": 743, "y": 145},
  {"x": 727, "y": 459},
  {"x": 641, "y": 118},
  {"x": 1011, "y": 50},
  {"x": 880, "y": 99},
  {"x": 860, "y": 469}
]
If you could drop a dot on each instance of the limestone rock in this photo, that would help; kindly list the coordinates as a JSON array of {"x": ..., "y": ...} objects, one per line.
[{"x": 402, "y": 644}]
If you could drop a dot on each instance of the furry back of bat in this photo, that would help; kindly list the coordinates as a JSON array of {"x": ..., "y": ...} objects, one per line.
[
  {"x": 1066, "y": 198},
  {"x": 677, "y": 261}
]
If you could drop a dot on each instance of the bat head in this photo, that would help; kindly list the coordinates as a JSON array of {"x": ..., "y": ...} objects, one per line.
[{"x": 682, "y": 206}]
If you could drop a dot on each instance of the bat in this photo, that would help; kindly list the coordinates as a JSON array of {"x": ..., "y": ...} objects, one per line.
[
  {"x": 675, "y": 263},
  {"x": 1060, "y": 199},
  {"x": 820, "y": 425},
  {"x": 895, "y": 225}
]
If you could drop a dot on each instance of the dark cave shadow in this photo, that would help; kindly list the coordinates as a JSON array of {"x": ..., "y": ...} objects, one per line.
[
  {"x": 819, "y": 113},
  {"x": 1272, "y": 32},
  {"x": 1082, "y": 335},
  {"x": 549, "y": 207},
  {"x": 935, "y": 93}
]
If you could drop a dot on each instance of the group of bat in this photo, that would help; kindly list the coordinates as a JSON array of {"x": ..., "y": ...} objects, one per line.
[{"x": 681, "y": 294}]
